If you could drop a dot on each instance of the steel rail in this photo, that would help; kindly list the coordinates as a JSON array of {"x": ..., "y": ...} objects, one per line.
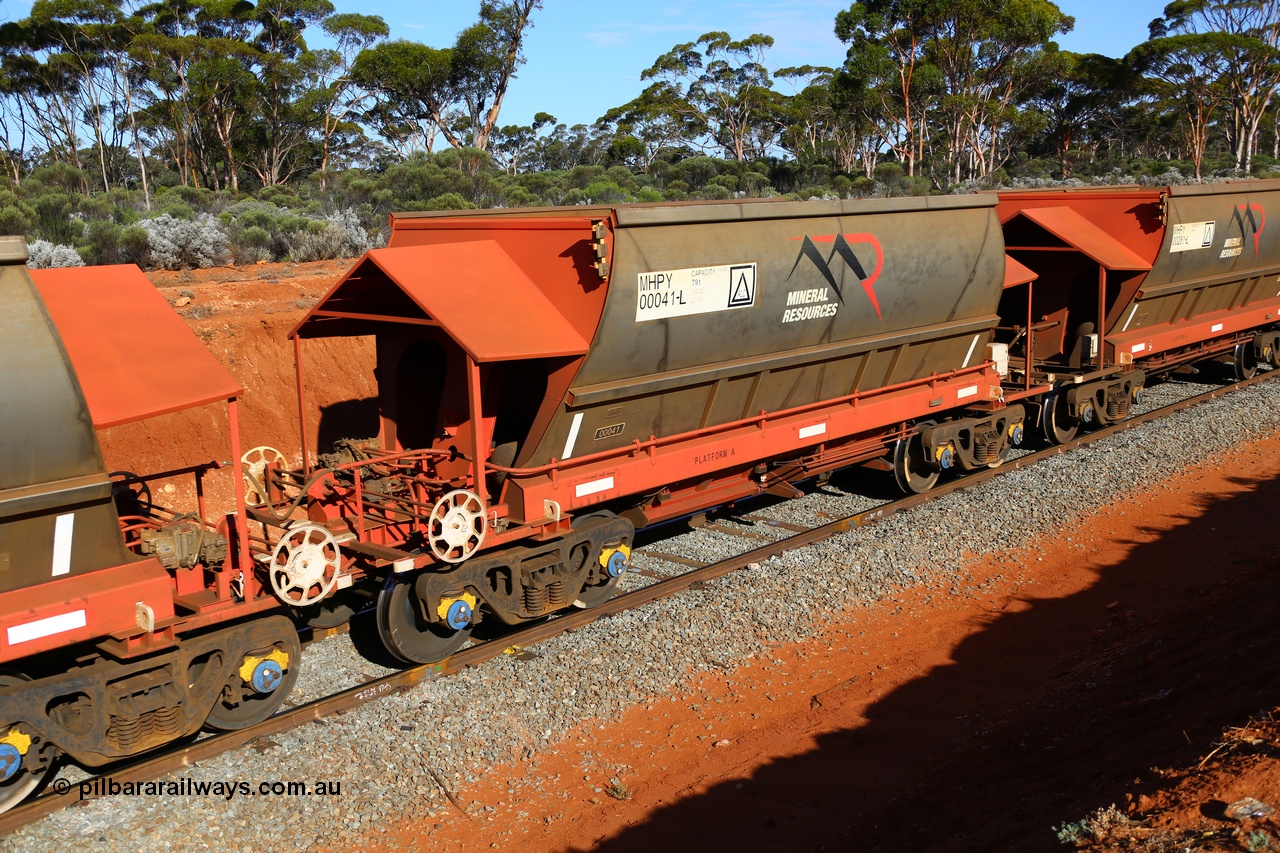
[{"x": 175, "y": 758}]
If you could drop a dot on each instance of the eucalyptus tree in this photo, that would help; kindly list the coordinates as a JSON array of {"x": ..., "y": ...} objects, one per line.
[
  {"x": 41, "y": 93},
  {"x": 198, "y": 58},
  {"x": 413, "y": 92},
  {"x": 1079, "y": 97},
  {"x": 456, "y": 92},
  {"x": 888, "y": 61},
  {"x": 1188, "y": 71},
  {"x": 87, "y": 38},
  {"x": 337, "y": 97},
  {"x": 651, "y": 125},
  {"x": 486, "y": 56},
  {"x": 809, "y": 115},
  {"x": 951, "y": 70},
  {"x": 722, "y": 85},
  {"x": 989, "y": 54},
  {"x": 1247, "y": 35},
  {"x": 285, "y": 72}
]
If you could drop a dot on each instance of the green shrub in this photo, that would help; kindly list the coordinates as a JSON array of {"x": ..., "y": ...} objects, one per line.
[
  {"x": 53, "y": 218},
  {"x": 449, "y": 201},
  {"x": 729, "y": 182},
  {"x": 16, "y": 216},
  {"x": 103, "y": 246},
  {"x": 518, "y": 196},
  {"x": 606, "y": 192},
  {"x": 134, "y": 245}
]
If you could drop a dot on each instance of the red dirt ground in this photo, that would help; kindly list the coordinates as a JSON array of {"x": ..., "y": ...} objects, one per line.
[
  {"x": 1099, "y": 671},
  {"x": 969, "y": 723}
]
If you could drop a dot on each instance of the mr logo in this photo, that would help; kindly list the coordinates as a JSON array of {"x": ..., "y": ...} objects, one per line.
[
  {"x": 1244, "y": 217},
  {"x": 842, "y": 248}
]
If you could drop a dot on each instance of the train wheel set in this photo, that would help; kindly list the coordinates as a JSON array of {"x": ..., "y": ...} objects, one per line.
[{"x": 612, "y": 368}]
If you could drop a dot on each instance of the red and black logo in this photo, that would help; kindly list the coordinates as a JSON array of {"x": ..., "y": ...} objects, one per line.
[
  {"x": 1243, "y": 215},
  {"x": 843, "y": 249}
]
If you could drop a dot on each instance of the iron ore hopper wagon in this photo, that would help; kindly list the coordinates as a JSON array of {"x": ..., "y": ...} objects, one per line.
[
  {"x": 1125, "y": 283},
  {"x": 550, "y": 380},
  {"x": 124, "y": 623}
]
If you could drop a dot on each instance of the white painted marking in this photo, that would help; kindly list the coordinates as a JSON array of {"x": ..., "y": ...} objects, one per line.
[
  {"x": 811, "y": 431},
  {"x": 594, "y": 487},
  {"x": 1137, "y": 348},
  {"x": 573, "y": 436},
  {"x": 967, "y": 391},
  {"x": 46, "y": 627},
  {"x": 62, "y": 529},
  {"x": 405, "y": 565},
  {"x": 973, "y": 343},
  {"x": 1216, "y": 327},
  {"x": 1129, "y": 319}
]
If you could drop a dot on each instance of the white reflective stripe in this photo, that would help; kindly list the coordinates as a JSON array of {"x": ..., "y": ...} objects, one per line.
[
  {"x": 811, "y": 431},
  {"x": 1129, "y": 319},
  {"x": 1137, "y": 348},
  {"x": 593, "y": 488},
  {"x": 46, "y": 627},
  {"x": 573, "y": 436},
  {"x": 1216, "y": 327},
  {"x": 973, "y": 343},
  {"x": 62, "y": 529},
  {"x": 968, "y": 391}
]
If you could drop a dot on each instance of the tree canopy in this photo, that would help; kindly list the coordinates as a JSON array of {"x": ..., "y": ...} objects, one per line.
[{"x": 115, "y": 113}]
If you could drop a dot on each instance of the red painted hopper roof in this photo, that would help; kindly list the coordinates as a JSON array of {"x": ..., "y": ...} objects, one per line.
[
  {"x": 135, "y": 358},
  {"x": 1016, "y": 273},
  {"x": 472, "y": 289},
  {"x": 1065, "y": 224}
]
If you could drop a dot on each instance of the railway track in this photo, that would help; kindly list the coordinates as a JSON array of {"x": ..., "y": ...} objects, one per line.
[{"x": 64, "y": 793}]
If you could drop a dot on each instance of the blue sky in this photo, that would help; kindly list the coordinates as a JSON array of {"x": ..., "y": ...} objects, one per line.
[{"x": 585, "y": 57}]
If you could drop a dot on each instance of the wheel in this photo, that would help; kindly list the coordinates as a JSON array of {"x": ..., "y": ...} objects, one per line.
[
  {"x": 594, "y": 596},
  {"x": 406, "y": 635},
  {"x": 457, "y": 526},
  {"x": 910, "y": 467},
  {"x": 25, "y": 780},
  {"x": 260, "y": 681},
  {"x": 254, "y": 464},
  {"x": 1055, "y": 420},
  {"x": 305, "y": 565},
  {"x": 1244, "y": 364}
]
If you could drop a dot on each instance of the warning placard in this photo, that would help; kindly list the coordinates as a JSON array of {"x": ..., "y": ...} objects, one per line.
[{"x": 700, "y": 290}]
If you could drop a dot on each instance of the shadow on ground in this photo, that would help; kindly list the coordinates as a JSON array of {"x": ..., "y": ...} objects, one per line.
[{"x": 1045, "y": 714}]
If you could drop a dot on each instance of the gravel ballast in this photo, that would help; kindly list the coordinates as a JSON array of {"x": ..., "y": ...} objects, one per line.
[{"x": 391, "y": 756}]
